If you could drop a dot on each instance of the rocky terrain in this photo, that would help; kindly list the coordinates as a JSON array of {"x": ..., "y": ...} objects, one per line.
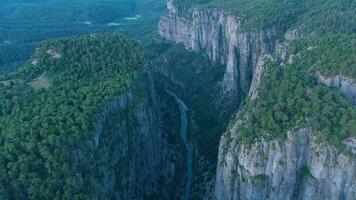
[
  {"x": 219, "y": 34},
  {"x": 346, "y": 85},
  {"x": 300, "y": 166},
  {"x": 131, "y": 152},
  {"x": 222, "y": 103}
]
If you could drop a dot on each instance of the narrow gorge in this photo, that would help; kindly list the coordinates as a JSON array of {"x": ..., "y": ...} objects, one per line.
[
  {"x": 201, "y": 100},
  {"x": 183, "y": 134},
  {"x": 219, "y": 34},
  {"x": 300, "y": 165}
]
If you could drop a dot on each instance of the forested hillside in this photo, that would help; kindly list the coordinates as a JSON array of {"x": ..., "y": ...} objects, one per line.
[
  {"x": 210, "y": 99},
  {"x": 290, "y": 95},
  {"x": 51, "y": 104},
  {"x": 25, "y": 23},
  {"x": 310, "y": 16}
]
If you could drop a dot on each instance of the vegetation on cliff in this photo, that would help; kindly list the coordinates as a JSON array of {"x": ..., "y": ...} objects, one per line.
[
  {"x": 331, "y": 55},
  {"x": 196, "y": 80},
  {"x": 40, "y": 127},
  {"x": 290, "y": 97},
  {"x": 325, "y": 16}
]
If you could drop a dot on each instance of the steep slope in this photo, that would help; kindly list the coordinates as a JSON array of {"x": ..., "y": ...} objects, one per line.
[
  {"x": 296, "y": 140},
  {"x": 220, "y": 35},
  {"x": 242, "y": 54},
  {"x": 81, "y": 120},
  {"x": 277, "y": 58},
  {"x": 234, "y": 33},
  {"x": 298, "y": 167},
  {"x": 195, "y": 80}
]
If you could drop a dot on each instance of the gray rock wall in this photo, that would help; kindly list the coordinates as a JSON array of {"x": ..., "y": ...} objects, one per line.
[
  {"x": 220, "y": 35},
  {"x": 129, "y": 154},
  {"x": 300, "y": 167},
  {"x": 345, "y": 84}
]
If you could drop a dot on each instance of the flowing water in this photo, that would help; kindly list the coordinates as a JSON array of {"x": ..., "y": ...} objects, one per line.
[{"x": 183, "y": 134}]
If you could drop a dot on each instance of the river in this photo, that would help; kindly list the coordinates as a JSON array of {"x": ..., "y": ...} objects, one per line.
[{"x": 183, "y": 134}]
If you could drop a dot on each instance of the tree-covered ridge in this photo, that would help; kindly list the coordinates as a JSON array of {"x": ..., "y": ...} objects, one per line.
[
  {"x": 332, "y": 55},
  {"x": 289, "y": 96},
  {"x": 321, "y": 17},
  {"x": 40, "y": 128},
  {"x": 25, "y": 23}
]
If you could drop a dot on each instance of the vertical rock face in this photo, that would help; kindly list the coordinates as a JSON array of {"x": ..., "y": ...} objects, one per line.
[
  {"x": 300, "y": 167},
  {"x": 346, "y": 85},
  {"x": 220, "y": 35},
  {"x": 129, "y": 153}
]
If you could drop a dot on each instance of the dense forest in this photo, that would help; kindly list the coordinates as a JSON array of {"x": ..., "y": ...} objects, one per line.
[
  {"x": 331, "y": 55},
  {"x": 25, "y": 23},
  {"x": 317, "y": 17},
  {"x": 50, "y": 104},
  {"x": 55, "y": 98}
]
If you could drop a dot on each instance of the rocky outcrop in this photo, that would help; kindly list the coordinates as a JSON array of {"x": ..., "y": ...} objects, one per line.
[
  {"x": 220, "y": 34},
  {"x": 345, "y": 84},
  {"x": 129, "y": 154},
  {"x": 300, "y": 167},
  {"x": 257, "y": 76}
]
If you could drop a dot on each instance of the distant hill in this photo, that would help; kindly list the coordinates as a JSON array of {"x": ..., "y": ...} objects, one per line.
[{"x": 24, "y": 23}]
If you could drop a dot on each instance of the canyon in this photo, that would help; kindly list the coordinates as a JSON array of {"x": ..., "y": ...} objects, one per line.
[
  {"x": 301, "y": 166},
  {"x": 217, "y": 103}
]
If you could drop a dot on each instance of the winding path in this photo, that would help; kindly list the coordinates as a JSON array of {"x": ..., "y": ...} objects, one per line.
[{"x": 183, "y": 134}]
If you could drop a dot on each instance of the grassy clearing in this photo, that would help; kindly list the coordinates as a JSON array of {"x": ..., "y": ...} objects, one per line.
[{"x": 40, "y": 82}]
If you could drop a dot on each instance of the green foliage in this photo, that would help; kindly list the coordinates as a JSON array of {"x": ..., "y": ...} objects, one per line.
[
  {"x": 332, "y": 55},
  {"x": 257, "y": 13},
  {"x": 24, "y": 24},
  {"x": 199, "y": 76},
  {"x": 289, "y": 96},
  {"x": 144, "y": 27},
  {"x": 40, "y": 129},
  {"x": 198, "y": 81},
  {"x": 261, "y": 177},
  {"x": 305, "y": 171},
  {"x": 325, "y": 16}
]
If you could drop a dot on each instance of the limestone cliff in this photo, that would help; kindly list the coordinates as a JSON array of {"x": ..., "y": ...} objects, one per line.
[
  {"x": 345, "y": 84},
  {"x": 221, "y": 36},
  {"x": 129, "y": 154},
  {"x": 242, "y": 54},
  {"x": 299, "y": 167}
]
